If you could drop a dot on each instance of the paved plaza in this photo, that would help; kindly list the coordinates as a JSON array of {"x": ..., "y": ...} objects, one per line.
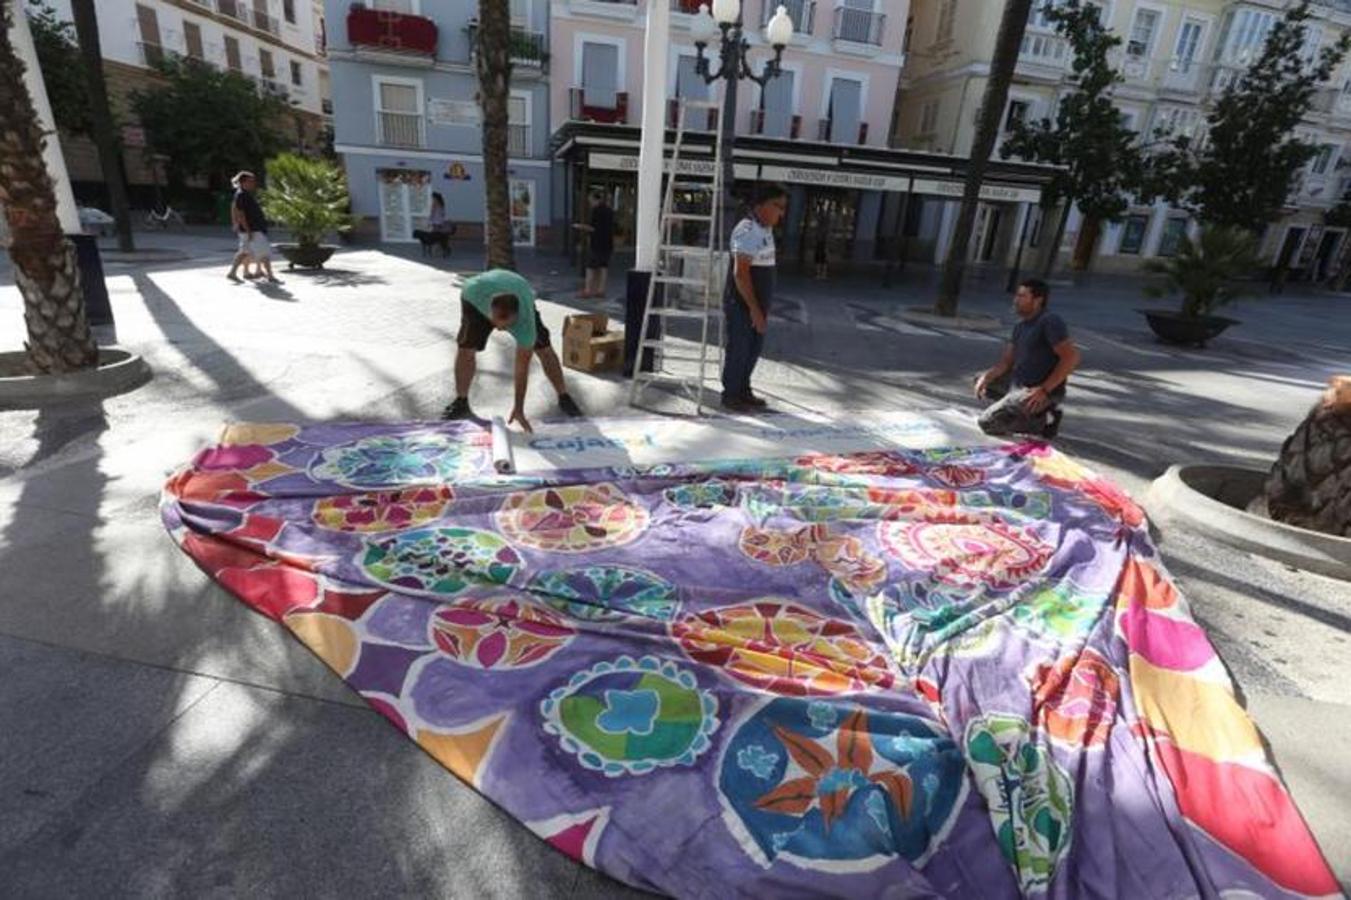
[{"x": 161, "y": 739}]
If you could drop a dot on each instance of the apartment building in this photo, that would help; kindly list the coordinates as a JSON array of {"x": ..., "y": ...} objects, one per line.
[
  {"x": 833, "y": 100},
  {"x": 278, "y": 43},
  {"x": 407, "y": 122},
  {"x": 1175, "y": 57}
]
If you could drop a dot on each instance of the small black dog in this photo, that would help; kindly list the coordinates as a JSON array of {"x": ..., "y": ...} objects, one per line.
[{"x": 430, "y": 239}]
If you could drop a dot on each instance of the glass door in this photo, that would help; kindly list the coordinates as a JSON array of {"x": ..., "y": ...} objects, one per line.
[
  {"x": 405, "y": 202},
  {"x": 522, "y": 212}
]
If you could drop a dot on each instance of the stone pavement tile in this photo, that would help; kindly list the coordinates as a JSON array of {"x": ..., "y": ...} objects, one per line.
[
  {"x": 67, "y": 718},
  {"x": 1311, "y": 742},
  {"x": 125, "y": 590},
  {"x": 253, "y": 794}
]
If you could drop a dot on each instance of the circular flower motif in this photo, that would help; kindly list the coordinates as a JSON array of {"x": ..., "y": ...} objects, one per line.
[
  {"x": 780, "y": 547},
  {"x": 606, "y": 593},
  {"x": 956, "y": 476},
  {"x": 574, "y": 519},
  {"x": 498, "y": 633},
  {"x": 836, "y": 786},
  {"x": 989, "y": 553},
  {"x": 1075, "y": 699},
  {"x": 845, "y": 558},
  {"x": 881, "y": 463},
  {"x": 382, "y": 511},
  {"x": 702, "y": 494},
  {"x": 630, "y": 717},
  {"x": 439, "y": 561},
  {"x": 396, "y": 460},
  {"x": 779, "y": 647}
]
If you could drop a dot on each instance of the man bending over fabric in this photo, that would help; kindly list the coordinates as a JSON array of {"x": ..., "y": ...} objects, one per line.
[
  {"x": 501, "y": 299},
  {"x": 1028, "y": 382}
]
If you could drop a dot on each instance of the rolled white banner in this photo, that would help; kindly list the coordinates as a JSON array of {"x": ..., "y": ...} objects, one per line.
[{"x": 502, "y": 460}]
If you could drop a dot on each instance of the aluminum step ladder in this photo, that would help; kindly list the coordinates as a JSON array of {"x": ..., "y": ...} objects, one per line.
[{"x": 688, "y": 278}]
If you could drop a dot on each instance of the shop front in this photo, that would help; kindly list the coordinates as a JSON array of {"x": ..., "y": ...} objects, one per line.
[{"x": 854, "y": 207}]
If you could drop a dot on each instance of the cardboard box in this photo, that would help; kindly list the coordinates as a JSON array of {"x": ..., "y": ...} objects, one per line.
[{"x": 588, "y": 347}]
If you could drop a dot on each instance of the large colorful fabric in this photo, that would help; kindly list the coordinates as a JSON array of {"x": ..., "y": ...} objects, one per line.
[{"x": 952, "y": 673}]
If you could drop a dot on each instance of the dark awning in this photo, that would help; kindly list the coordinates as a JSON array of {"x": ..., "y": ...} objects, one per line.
[{"x": 615, "y": 147}]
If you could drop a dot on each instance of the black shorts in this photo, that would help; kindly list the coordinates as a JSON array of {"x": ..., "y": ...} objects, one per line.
[
  {"x": 599, "y": 259},
  {"x": 475, "y": 329}
]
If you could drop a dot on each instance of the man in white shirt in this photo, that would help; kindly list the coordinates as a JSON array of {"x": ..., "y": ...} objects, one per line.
[{"x": 750, "y": 290}]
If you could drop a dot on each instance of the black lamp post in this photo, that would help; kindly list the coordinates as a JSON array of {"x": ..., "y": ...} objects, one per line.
[{"x": 734, "y": 66}]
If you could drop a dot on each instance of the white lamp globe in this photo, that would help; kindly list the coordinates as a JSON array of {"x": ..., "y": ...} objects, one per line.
[
  {"x": 703, "y": 27},
  {"x": 726, "y": 11},
  {"x": 779, "y": 31}
]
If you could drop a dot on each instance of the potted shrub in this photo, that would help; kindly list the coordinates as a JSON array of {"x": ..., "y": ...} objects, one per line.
[
  {"x": 1206, "y": 274},
  {"x": 307, "y": 197}
]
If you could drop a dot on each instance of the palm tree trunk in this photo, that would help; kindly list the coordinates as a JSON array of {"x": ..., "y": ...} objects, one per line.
[
  {"x": 494, "y": 79},
  {"x": 101, "y": 120},
  {"x": 1310, "y": 483},
  {"x": 1089, "y": 233},
  {"x": 1053, "y": 252},
  {"x": 44, "y": 261},
  {"x": 1007, "y": 45}
]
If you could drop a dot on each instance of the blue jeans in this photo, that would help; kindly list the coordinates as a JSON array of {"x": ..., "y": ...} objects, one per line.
[{"x": 744, "y": 344}]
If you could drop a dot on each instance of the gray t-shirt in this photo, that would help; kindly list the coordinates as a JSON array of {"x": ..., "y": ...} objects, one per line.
[{"x": 1034, "y": 342}]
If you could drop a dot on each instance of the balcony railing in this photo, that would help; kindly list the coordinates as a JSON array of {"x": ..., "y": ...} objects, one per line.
[
  {"x": 152, "y": 55},
  {"x": 802, "y": 12},
  {"x": 234, "y": 9},
  {"x": 263, "y": 22},
  {"x": 858, "y": 26},
  {"x": 692, "y": 121},
  {"x": 400, "y": 129},
  {"x": 1044, "y": 49},
  {"x": 826, "y": 131},
  {"x": 1182, "y": 75},
  {"x": 274, "y": 87},
  {"x": 589, "y": 107},
  {"x": 688, "y": 7},
  {"x": 326, "y": 106},
  {"x": 528, "y": 49},
  {"x": 518, "y": 140},
  {"x": 771, "y": 123},
  {"x": 396, "y": 32}
]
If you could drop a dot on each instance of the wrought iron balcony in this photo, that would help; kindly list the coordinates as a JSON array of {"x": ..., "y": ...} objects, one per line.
[
  {"x": 858, "y": 26},
  {"x": 802, "y": 12},
  {"x": 391, "y": 31},
  {"x": 826, "y": 131},
  {"x": 529, "y": 49},
  {"x": 775, "y": 124},
  {"x": 587, "y": 106},
  {"x": 673, "y": 117}
]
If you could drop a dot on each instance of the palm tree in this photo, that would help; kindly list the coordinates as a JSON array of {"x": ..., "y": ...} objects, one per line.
[
  {"x": 1310, "y": 484},
  {"x": 494, "y": 80},
  {"x": 1008, "y": 43},
  {"x": 101, "y": 120},
  {"x": 45, "y": 268},
  {"x": 1206, "y": 273}
]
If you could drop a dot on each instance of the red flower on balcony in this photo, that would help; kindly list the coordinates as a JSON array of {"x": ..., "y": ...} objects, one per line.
[{"x": 391, "y": 30}]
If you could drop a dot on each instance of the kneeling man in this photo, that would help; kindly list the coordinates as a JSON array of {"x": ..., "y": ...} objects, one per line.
[
  {"x": 1039, "y": 357},
  {"x": 502, "y": 300}
]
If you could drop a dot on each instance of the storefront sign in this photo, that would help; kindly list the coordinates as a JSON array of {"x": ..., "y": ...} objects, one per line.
[
  {"x": 861, "y": 181},
  {"x": 453, "y": 112},
  {"x": 621, "y": 162},
  {"x": 456, "y": 171},
  {"x": 1005, "y": 192}
]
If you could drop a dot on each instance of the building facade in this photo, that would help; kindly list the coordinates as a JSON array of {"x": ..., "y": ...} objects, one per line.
[
  {"x": 407, "y": 120},
  {"x": 836, "y": 92},
  {"x": 278, "y": 43},
  {"x": 1175, "y": 58}
]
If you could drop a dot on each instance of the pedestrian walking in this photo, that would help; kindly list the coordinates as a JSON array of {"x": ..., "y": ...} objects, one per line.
[
  {"x": 601, "y": 230},
  {"x": 502, "y": 300},
  {"x": 749, "y": 294},
  {"x": 246, "y": 215},
  {"x": 1028, "y": 383}
]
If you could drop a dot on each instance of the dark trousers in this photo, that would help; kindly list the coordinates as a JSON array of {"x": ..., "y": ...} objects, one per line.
[{"x": 744, "y": 344}]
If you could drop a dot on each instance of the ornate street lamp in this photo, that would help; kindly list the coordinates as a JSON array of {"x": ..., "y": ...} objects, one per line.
[{"x": 734, "y": 66}]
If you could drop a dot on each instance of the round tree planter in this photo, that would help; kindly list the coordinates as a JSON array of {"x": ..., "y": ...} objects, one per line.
[
  {"x": 1212, "y": 500},
  {"x": 1192, "y": 331},
  {"x": 306, "y": 257},
  {"x": 118, "y": 372}
]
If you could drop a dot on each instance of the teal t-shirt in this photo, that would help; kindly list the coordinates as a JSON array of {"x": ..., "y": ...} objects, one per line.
[{"x": 480, "y": 290}]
